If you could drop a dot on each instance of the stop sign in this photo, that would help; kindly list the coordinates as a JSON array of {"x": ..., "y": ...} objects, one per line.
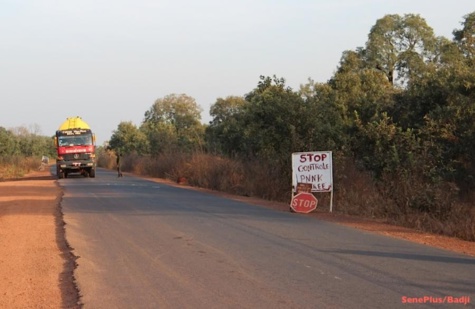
[{"x": 304, "y": 202}]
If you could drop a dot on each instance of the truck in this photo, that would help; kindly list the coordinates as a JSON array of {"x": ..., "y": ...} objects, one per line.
[{"x": 75, "y": 146}]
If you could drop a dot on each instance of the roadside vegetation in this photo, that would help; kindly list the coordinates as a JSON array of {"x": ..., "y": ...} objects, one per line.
[
  {"x": 398, "y": 115},
  {"x": 21, "y": 151}
]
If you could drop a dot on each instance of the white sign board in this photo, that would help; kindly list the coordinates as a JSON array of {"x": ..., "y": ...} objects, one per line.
[{"x": 313, "y": 168}]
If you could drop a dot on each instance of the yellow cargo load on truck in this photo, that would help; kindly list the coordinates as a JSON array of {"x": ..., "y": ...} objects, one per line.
[{"x": 74, "y": 123}]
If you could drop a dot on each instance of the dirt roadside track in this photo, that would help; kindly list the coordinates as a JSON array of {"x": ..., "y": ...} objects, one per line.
[{"x": 36, "y": 265}]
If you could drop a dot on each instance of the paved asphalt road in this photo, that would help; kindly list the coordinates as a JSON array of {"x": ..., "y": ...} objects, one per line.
[{"x": 143, "y": 244}]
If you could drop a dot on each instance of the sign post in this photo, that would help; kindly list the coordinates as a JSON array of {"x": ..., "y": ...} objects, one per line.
[{"x": 313, "y": 170}]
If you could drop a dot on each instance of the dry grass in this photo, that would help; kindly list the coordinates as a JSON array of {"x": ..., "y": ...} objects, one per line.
[
  {"x": 355, "y": 192},
  {"x": 16, "y": 167},
  {"x": 459, "y": 222}
]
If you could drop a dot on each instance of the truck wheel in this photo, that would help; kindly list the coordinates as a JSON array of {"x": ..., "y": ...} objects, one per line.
[
  {"x": 92, "y": 173},
  {"x": 60, "y": 175}
]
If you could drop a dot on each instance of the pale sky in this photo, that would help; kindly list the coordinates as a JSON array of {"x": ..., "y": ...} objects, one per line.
[{"x": 108, "y": 61}]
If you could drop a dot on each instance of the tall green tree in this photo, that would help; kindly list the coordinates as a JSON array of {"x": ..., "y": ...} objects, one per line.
[
  {"x": 399, "y": 46},
  {"x": 360, "y": 90},
  {"x": 447, "y": 98},
  {"x": 160, "y": 136},
  {"x": 430, "y": 90},
  {"x": 465, "y": 38},
  {"x": 271, "y": 120},
  {"x": 436, "y": 107},
  {"x": 223, "y": 134},
  {"x": 175, "y": 116},
  {"x": 127, "y": 138},
  {"x": 321, "y": 125}
]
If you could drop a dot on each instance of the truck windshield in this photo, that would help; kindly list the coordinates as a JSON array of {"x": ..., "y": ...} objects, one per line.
[{"x": 75, "y": 140}]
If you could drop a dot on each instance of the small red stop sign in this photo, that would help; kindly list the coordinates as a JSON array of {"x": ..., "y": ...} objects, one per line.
[{"x": 304, "y": 202}]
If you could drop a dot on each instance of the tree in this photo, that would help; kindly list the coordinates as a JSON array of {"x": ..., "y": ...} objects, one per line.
[
  {"x": 7, "y": 142},
  {"x": 438, "y": 106},
  {"x": 399, "y": 46},
  {"x": 223, "y": 109},
  {"x": 127, "y": 139},
  {"x": 181, "y": 111},
  {"x": 359, "y": 89},
  {"x": 449, "y": 134},
  {"x": 321, "y": 125},
  {"x": 20, "y": 141},
  {"x": 384, "y": 147},
  {"x": 465, "y": 38},
  {"x": 270, "y": 118},
  {"x": 160, "y": 136},
  {"x": 224, "y": 131},
  {"x": 174, "y": 115},
  {"x": 352, "y": 61}
]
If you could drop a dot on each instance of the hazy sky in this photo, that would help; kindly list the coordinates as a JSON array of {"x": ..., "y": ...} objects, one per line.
[{"x": 108, "y": 61}]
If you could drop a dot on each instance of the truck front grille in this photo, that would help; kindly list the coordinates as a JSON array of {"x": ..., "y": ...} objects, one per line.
[{"x": 76, "y": 156}]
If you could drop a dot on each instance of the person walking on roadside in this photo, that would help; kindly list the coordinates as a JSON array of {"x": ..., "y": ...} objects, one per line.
[{"x": 119, "y": 172}]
